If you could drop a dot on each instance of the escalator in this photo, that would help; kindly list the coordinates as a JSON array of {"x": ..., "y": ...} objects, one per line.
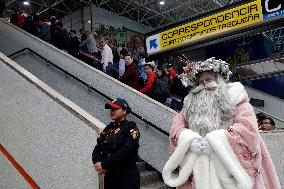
[
  {"x": 90, "y": 89},
  {"x": 50, "y": 134},
  {"x": 79, "y": 92},
  {"x": 264, "y": 80},
  {"x": 93, "y": 101},
  {"x": 45, "y": 141}
]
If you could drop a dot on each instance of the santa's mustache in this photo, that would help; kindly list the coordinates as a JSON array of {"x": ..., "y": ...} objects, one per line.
[{"x": 210, "y": 86}]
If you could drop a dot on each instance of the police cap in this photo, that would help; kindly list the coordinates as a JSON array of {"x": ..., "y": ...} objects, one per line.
[{"x": 118, "y": 103}]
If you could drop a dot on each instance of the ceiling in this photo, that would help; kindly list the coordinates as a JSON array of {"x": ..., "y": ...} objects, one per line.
[
  {"x": 147, "y": 12},
  {"x": 151, "y": 13}
]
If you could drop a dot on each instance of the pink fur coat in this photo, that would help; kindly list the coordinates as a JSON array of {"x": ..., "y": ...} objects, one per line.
[{"x": 244, "y": 139}]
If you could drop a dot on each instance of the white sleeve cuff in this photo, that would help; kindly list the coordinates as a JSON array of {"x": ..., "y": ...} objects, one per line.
[{"x": 181, "y": 158}]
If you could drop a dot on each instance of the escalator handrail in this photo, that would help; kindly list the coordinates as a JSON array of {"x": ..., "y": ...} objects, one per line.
[
  {"x": 89, "y": 87},
  {"x": 277, "y": 56},
  {"x": 107, "y": 97}
]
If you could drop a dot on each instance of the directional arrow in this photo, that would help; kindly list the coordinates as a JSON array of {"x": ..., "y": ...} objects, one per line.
[{"x": 153, "y": 44}]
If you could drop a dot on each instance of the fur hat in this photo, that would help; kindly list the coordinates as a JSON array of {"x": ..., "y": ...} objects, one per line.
[{"x": 211, "y": 64}]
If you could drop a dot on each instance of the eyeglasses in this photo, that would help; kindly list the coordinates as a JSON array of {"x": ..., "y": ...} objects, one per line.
[{"x": 265, "y": 122}]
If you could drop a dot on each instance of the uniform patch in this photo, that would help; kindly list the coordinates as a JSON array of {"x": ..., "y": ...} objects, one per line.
[
  {"x": 134, "y": 133},
  {"x": 116, "y": 130}
]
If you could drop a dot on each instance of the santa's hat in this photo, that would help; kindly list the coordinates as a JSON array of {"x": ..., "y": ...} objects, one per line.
[{"x": 218, "y": 66}]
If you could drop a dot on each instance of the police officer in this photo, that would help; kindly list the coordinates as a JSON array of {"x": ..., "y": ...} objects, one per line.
[{"x": 116, "y": 152}]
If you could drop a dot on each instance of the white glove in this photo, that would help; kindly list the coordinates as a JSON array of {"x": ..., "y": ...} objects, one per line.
[
  {"x": 206, "y": 147},
  {"x": 195, "y": 146},
  {"x": 200, "y": 146}
]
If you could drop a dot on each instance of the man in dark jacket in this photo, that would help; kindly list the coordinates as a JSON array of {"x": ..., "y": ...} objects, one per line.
[
  {"x": 73, "y": 44},
  {"x": 83, "y": 35},
  {"x": 131, "y": 75},
  {"x": 116, "y": 152},
  {"x": 60, "y": 36},
  {"x": 29, "y": 25},
  {"x": 53, "y": 21},
  {"x": 44, "y": 31},
  {"x": 14, "y": 17},
  {"x": 161, "y": 90}
]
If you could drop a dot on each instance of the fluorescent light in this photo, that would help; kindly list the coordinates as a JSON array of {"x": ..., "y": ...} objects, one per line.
[
  {"x": 26, "y": 3},
  {"x": 162, "y": 2}
]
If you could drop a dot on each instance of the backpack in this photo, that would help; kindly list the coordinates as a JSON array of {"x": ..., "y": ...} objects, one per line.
[
  {"x": 178, "y": 88},
  {"x": 160, "y": 86}
]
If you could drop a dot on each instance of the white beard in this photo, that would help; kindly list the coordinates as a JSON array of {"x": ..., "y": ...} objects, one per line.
[{"x": 207, "y": 108}]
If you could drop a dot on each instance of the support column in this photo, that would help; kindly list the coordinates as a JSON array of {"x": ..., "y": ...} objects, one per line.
[
  {"x": 91, "y": 16},
  {"x": 82, "y": 14}
]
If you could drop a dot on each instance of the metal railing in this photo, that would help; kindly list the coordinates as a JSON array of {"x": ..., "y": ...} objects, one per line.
[
  {"x": 89, "y": 87},
  {"x": 109, "y": 98}
]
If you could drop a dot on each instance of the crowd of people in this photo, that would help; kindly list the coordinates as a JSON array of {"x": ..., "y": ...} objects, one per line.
[
  {"x": 215, "y": 115},
  {"x": 48, "y": 29},
  {"x": 160, "y": 83}
]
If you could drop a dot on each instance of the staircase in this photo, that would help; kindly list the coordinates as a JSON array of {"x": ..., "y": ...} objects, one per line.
[{"x": 150, "y": 179}]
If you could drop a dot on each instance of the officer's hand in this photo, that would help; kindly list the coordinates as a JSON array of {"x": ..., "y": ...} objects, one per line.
[
  {"x": 102, "y": 171},
  {"x": 98, "y": 166}
]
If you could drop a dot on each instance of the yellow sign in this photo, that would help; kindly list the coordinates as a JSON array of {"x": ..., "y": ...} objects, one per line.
[{"x": 228, "y": 20}]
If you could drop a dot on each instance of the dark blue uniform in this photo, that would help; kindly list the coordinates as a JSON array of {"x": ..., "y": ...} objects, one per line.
[{"x": 117, "y": 149}]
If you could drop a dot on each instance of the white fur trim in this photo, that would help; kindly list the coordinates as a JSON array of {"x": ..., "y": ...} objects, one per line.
[
  {"x": 180, "y": 158},
  {"x": 214, "y": 178},
  {"x": 237, "y": 93},
  {"x": 201, "y": 172},
  {"x": 220, "y": 170},
  {"x": 229, "y": 169}
]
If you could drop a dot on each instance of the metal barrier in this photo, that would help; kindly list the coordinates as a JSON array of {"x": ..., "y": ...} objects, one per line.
[{"x": 89, "y": 87}]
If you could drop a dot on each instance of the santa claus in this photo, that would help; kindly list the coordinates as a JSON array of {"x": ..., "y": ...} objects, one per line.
[{"x": 215, "y": 139}]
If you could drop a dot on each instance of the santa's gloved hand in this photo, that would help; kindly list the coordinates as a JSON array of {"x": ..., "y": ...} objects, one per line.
[
  {"x": 205, "y": 147},
  {"x": 195, "y": 146},
  {"x": 200, "y": 146}
]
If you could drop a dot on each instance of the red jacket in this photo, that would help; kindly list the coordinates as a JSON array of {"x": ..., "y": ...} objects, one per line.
[
  {"x": 20, "y": 20},
  {"x": 131, "y": 77},
  {"x": 151, "y": 78},
  {"x": 172, "y": 74}
]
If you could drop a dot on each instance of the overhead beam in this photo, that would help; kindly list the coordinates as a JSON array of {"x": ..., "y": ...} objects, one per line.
[
  {"x": 129, "y": 10},
  {"x": 10, "y": 2},
  {"x": 51, "y": 7},
  {"x": 203, "y": 8},
  {"x": 46, "y": 6},
  {"x": 188, "y": 5},
  {"x": 124, "y": 11},
  {"x": 103, "y": 2},
  {"x": 221, "y": 3},
  {"x": 66, "y": 7},
  {"x": 43, "y": 7},
  {"x": 166, "y": 12},
  {"x": 144, "y": 5},
  {"x": 107, "y": 4},
  {"x": 141, "y": 4}
]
